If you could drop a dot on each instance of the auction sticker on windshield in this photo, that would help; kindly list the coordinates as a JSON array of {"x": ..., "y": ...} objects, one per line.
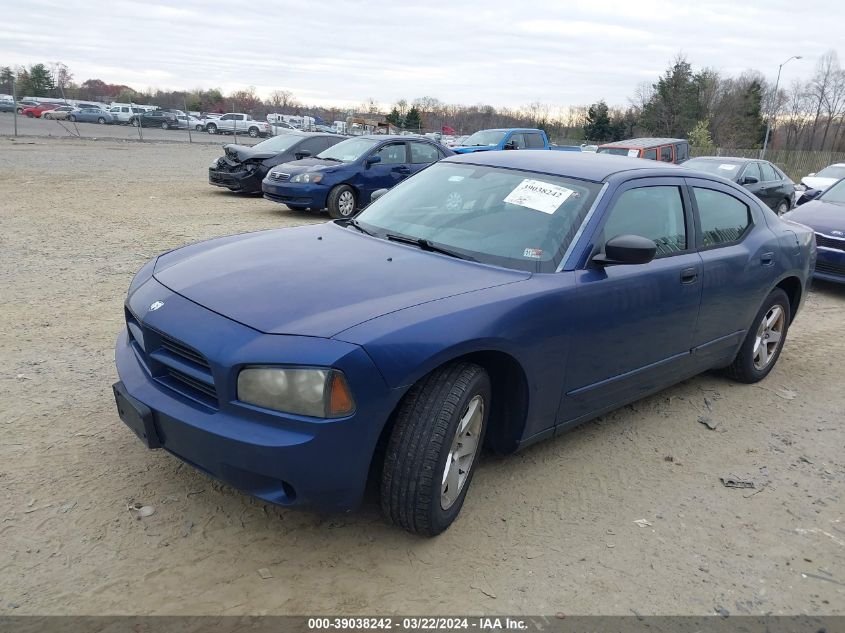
[
  {"x": 538, "y": 195},
  {"x": 727, "y": 166}
]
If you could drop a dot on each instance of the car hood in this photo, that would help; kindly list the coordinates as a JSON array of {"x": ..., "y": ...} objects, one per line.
[
  {"x": 243, "y": 152},
  {"x": 316, "y": 280},
  {"x": 817, "y": 182},
  {"x": 821, "y": 216},
  {"x": 469, "y": 149},
  {"x": 308, "y": 164}
]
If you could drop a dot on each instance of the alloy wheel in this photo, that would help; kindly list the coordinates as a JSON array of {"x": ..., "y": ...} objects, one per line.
[
  {"x": 346, "y": 203},
  {"x": 769, "y": 335},
  {"x": 462, "y": 452}
]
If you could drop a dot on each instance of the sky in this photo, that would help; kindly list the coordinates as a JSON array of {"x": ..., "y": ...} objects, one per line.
[{"x": 497, "y": 52}]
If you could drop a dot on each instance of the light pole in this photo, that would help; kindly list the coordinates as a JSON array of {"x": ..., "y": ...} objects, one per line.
[{"x": 774, "y": 106}]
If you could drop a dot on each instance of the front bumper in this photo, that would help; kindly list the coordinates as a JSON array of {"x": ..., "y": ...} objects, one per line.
[
  {"x": 284, "y": 459},
  {"x": 830, "y": 265},
  {"x": 299, "y": 195},
  {"x": 241, "y": 180}
]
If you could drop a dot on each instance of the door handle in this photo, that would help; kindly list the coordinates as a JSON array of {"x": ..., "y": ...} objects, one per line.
[
  {"x": 403, "y": 170},
  {"x": 689, "y": 276},
  {"x": 767, "y": 259}
]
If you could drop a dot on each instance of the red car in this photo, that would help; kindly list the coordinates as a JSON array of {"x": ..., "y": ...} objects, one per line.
[{"x": 38, "y": 110}]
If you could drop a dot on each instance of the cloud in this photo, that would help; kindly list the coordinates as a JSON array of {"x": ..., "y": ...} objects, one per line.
[{"x": 476, "y": 51}]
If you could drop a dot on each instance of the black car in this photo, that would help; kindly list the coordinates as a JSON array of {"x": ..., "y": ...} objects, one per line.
[
  {"x": 243, "y": 168},
  {"x": 760, "y": 177},
  {"x": 165, "y": 119}
]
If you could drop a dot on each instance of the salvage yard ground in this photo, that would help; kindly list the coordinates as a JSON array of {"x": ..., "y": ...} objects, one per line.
[{"x": 625, "y": 514}]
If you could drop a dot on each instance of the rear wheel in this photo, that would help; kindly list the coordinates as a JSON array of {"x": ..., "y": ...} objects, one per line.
[
  {"x": 433, "y": 448},
  {"x": 782, "y": 208},
  {"x": 72, "y": 118},
  {"x": 198, "y": 128},
  {"x": 30, "y": 115},
  {"x": 165, "y": 125},
  {"x": 135, "y": 122},
  {"x": 341, "y": 202},
  {"x": 101, "y": 120},
  {"x": 764, "y": 341},
  {"x": 253, "y": 132}
]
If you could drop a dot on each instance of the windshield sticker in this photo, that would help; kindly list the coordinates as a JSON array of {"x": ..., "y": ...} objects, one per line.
[
  {"x": 533, "y": 253},
  {"x": 727, "y": 166},
  {"x": 456, "y": 178},
  {"x": 633, "y": 153},
  {"x": 538, "y": 195}
]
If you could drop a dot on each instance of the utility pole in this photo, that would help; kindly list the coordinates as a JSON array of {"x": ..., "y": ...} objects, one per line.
[
  {"x": 15, "y": 102},
  {"x": 773, "y": 109}
]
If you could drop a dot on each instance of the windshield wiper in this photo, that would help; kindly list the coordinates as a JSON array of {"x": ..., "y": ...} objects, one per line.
[
  {"x": 337, "y": 160},
  {"x": 425, "y": 245},
  {"x": 357, "y": 225}
]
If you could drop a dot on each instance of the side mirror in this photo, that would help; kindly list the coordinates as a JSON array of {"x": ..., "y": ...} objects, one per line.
[
  {"x": 378, "y": 193},
  {"x": 303, "y": 154},
  {"x": 750, "y": 180},
  {"x": 372, "y": 160},
  {"x": 627, "y": 249}
]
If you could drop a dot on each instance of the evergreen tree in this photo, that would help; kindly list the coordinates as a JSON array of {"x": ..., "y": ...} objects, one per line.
[
  {"x": 394, "y": 118},
  {"x": 40, "y": 81},
  {"x": 597, "y": 126},
  {"x": 412, "y": 119}
]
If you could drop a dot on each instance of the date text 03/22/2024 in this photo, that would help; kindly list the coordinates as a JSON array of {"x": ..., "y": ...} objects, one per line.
[{"x": 418, "y": 624}]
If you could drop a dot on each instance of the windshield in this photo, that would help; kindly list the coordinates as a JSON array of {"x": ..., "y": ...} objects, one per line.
[
  {"x": 834, "y": 171},
  {"x": 349, "y": 150},
  {"x": 485, "y": 138},
  {"x": 725, "y": 168},
  {"x": 278, "y": 143},
  {"x": 836, "y": 193},
  {"x": 505, "y": 217}
]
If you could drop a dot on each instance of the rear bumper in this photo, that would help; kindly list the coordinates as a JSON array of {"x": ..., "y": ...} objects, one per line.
[{"x": 284, "y": 459}]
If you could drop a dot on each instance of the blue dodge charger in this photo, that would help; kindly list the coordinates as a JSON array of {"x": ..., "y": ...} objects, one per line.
[{"x": 494, "y": 299}]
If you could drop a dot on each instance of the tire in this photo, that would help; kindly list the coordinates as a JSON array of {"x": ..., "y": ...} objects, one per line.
[
  {"x": 30, "y": 115},
  {"x": 341, "y": 202},
  {"x": 253, "y": 132},
  {"x": 211, "y": 128},
  {"x": 134, "y": 122},
  {"x": 72, "y": 118},
  {"x": 101, "y": 121},
  {"x": 783, "y": 207},
  {"x": 414, "y": 481},
  {"x": 165, "y": 125},
  {"x": 749, "y": 366},
  {"x": 198, "y": 128}
]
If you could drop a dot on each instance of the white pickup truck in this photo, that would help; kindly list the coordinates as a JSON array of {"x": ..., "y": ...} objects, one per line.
[{"x": 235, "y": 122}]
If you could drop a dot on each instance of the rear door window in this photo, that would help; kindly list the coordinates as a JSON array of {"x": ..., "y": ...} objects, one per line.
[
  {"x": 723, "y": 218},
  {"x": 534, "y": 140},
  {"x": 681, "y": 152},
  {"x": 424, "y": 153},
  {"x": 768, "y": 173},
  {"x": 666, "y": 154},
  {"x": 518, "y": 140},
  {"x": 650, "y": 154}
]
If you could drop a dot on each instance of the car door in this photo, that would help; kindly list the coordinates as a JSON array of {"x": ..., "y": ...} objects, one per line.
[
  {"x": 392, "y": 168},
  {"x": 738, "y": 253},
  {"x": 751, "y": 179},
  {"x": 770, "y": 185},
  {"x": 422, "y": 155},
  {"x": 634, "y": 324}
]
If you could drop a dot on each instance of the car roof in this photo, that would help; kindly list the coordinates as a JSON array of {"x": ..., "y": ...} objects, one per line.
[
  {"x": 647, "y": 141},
  {"x": 723, "y": 158},
  {"x": 393, "y": 137},
  {"x": 581, "y": 165}
]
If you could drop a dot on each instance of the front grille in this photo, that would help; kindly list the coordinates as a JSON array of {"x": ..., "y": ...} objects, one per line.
[
  {"x": 279, "y": 176},
  {"x": 172, "y": 363},
  {"x": 830, "y": 268},
  {"x": 830, "y": 242}
]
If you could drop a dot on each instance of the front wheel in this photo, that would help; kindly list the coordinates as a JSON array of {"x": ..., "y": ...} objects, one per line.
[
  {"x": 30, "y": 115},
  {"x": 101, "y": 121},
  {"x": 433, "y": 448},
  {"x": 341, "y": 202},
  {"x": 764, "y": 341},
  {"x": 211, "y": 129},
  {"x": 135, "y": 122},
  {"x": 72, "y": 118},
  {"x": 782, "y": 208},
  {"x": 165, "y": 125}
]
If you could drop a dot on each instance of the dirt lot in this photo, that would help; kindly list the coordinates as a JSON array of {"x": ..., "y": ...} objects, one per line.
[{"x": 549, "y": 530}]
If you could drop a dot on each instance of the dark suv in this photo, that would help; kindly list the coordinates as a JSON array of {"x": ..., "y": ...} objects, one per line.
[{"x": 165, "y": 119}]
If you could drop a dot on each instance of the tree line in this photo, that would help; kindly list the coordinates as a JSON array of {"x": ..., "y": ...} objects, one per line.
[{"x": 702, "y": 105}]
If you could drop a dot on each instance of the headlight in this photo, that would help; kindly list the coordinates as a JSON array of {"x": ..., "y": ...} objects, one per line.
[
  {"x": 319, "y": 393},
  {"x": 307, "y": 177}
]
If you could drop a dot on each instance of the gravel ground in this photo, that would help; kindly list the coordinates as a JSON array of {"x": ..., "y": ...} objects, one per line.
[{"x": 552, "y": 529}]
